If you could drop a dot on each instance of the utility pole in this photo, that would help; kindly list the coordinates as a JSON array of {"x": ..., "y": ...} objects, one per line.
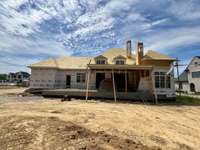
[
  {"x": 177, "y": 70},
  {"x": 177, "y": 65}
]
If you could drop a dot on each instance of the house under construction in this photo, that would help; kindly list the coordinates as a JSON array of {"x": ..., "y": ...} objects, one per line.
[{"x": 117, "y": 73}]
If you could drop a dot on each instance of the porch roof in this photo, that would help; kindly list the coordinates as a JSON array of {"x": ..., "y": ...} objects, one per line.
[{"x": 122, "y": 67}]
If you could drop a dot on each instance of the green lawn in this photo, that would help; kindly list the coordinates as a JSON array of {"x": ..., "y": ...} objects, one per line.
[{"x": 186, "y": 100}]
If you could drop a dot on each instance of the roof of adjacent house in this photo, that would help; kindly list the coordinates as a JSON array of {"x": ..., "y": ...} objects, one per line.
[
  {"x": 183, "y": 77},
  {"x": 24, "y": 74},
  {"x": 198, "y": 57},
  {"x": 72, "y": 62}
]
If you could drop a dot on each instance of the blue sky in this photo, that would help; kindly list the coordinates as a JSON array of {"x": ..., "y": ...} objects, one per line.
[{"x": 33, "y": 30}]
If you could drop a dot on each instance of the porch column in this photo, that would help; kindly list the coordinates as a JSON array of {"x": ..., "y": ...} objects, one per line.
[
  {"x": 126, "y": 81},
  {"x": 87, "y": 86},
  {"x": 114, "y": 90},
  {"x": 153, "y": 84}
]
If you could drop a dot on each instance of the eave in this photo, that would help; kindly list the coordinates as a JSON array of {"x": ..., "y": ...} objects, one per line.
[{"x": 122, "y": 67}]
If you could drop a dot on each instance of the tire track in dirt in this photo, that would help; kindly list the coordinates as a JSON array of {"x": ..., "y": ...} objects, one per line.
[{"x": 52, "y": 133}]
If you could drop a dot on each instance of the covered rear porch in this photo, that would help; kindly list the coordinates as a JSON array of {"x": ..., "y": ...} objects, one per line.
[{"x": 118, "y": 81}]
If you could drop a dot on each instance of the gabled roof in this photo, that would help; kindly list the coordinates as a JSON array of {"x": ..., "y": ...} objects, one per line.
[
  {"x": 49, "y": 63},
  {"x": 72, "y": 62},
  {"x": 25, "y": 74},
  {"x": 189, "y": 65},
  {"x": 183, "y": 77},
  {"x": 100, "y": 57},
  {"x": 67, "y": 62},
  {"x": 119, "y": 57},
  {"x": 153, "y": 55}
]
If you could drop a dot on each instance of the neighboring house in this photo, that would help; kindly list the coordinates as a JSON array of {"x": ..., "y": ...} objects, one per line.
[
  {"x": 11, "y": 77},
  {"x": 18, "y": 77},
  {"x": 189, "y": 80},
  {"x": 132, "y": 72},
  {"x": 3, "y": 77}
]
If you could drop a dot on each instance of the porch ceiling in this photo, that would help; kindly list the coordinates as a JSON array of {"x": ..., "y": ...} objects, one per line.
[{"x": 122, "y": 67}]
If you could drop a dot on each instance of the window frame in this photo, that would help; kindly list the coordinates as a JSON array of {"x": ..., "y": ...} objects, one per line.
[
  {"x": 80, "y": 77},
  {"x": 99, "y": 61},
  {"x": 120, "y": 60},
  {"x": 162, "y": 80},
  {"x": 196, "y": 74}
]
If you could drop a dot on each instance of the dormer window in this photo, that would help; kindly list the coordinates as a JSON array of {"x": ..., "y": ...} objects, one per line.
[
  {"x": 120, "y": 62},
  {"x": 100, "y": 61}
]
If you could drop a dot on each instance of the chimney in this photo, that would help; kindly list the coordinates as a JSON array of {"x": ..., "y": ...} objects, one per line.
[
  {"x": 139, "y": 53},
  {"x": 128, "y": 48}
]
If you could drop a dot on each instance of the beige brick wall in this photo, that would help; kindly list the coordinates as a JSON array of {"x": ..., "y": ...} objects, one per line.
[{"x": 193, "y": 68}]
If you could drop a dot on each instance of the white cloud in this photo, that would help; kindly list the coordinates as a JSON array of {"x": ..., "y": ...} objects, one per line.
[
  {"x": 117, "y": 6},
  {"x": 170, "y": 39},
  {"x": 85, "y": 27},
  {"x": 20, "y": 23},
  {"x": 14, "y": 3},
  {"x": 31, "y": 46},
  {"x": 185, "y": 9},
  {"x": 159, "y": 22}
]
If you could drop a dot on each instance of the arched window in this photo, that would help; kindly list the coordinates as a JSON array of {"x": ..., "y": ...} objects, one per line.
[{"x": 192, "y": 87}]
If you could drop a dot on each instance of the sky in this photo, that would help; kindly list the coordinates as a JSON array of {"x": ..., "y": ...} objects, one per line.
[{"x": 34, "y": 30}]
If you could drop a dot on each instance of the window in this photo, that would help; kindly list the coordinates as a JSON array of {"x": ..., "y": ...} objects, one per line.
[
  {"x": 168, "y": 81},
  {"x": 162, "y": 80},
  {"x": 180, "y": 85},
  {"x": 19, "y": 76},
  {"x": 119, "y": 62},
  {"x": 80, "y": 77},
  {"x": 196, "y": 74},
  {"x": 100, "y": 61},
  {"x": 157, "y": 80},
  {"x": 196, "y": 63}
]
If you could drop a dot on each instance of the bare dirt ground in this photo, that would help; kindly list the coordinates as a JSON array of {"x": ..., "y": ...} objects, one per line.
[
  {"x": 11, "y": 91},
  {"x": 38, "y": 123}
]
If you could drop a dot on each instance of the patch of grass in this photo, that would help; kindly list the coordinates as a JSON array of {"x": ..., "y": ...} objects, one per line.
[{"x": 187, "y": 100}]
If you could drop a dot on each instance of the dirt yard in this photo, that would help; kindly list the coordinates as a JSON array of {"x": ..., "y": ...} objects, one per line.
[
  {"x": 38, "y": 123},
  {"x": 12, "y": 91}
]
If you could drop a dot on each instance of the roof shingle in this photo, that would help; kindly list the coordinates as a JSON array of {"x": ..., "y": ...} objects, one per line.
[{"x": 72, "y": 62}]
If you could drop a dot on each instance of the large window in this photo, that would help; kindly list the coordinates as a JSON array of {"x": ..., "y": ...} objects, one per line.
[
  {"x": 162, "y": 80},
  {"x": 80, "y": 77},
  {"x": 119, "y": 62},
  {"x": 196, "y": 74},
  {"x": 100, "y": 61}
]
